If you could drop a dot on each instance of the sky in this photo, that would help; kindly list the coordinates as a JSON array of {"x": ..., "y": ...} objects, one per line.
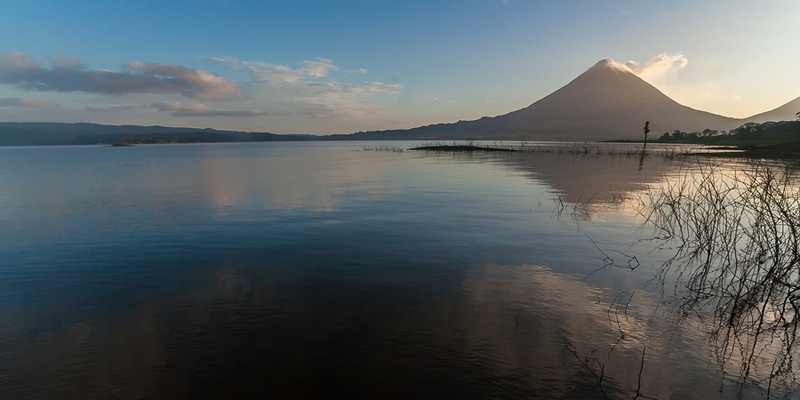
[{"x": 317, "y": 67}]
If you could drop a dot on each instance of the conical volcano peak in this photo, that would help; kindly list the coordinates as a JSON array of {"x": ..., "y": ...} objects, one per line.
[
  {"x": 607, "y": 63},
  {"x": 607, "y": 101}
]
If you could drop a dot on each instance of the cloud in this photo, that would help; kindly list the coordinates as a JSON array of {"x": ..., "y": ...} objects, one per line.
[
  {"x": 318, "y": 68},
  {"x": 66, "y": 74},
  {"x": 179, "y": 109},
  {"x": 427, "y": 97},
  {"x": 659, "y": 65},
  {"x": 662, "y": 71},
  {"x": 310, "y": 89},
  {"x": 703, "y": 92},
  {"x": 27, "y": 102},
  {"x": 110, "y": 109},
  {"x": 261, "y": 71}
]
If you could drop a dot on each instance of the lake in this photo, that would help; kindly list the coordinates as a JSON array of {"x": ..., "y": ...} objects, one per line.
[{"x": 322, "y": 269}]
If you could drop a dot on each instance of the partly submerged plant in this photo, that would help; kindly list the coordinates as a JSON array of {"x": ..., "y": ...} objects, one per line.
[
  {"x": 383, "y": 147},
  {"x": 734, "y": 238}
]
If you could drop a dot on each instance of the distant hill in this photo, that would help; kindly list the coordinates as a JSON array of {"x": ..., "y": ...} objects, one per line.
[
  {"x": 786, "y": 112},
  {"x": 44, "y": 134},
  {"x": 608, "y": 101}
]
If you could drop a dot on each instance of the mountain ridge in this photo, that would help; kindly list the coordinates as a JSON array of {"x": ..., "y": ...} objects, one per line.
[
  {"x": 606, "y": 102},
  {"x": 785, "y": 112},
  {"x": 87, "y": 133}
]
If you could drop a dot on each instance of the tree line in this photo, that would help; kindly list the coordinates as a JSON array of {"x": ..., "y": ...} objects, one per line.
[{"x": 748, "y": 133}]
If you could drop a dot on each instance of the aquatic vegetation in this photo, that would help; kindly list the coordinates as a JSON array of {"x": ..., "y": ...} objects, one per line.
[
  {"x": 465, "y": 146},
  {"x": 383, "y": 147},
  {"x": 586, "y": 149},
  {"x": 734, "y": 240}
]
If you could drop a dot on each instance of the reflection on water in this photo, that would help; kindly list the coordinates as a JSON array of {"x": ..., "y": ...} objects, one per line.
[
  {"x": 591, "y": 184},
  {"x": 736, "y": 248},
  {"x": 501, "y": 332},
  {"x": 311, "y": 270}
]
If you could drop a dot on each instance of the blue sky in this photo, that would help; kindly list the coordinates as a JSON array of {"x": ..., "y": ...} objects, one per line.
[{"x": 338, "y": 67}]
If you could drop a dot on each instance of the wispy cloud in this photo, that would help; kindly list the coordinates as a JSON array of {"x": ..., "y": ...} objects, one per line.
[
  {"x": 343, "y": 96},
  {"x": 110, "y": 109},
  {"x": 309, "y": 88},
  {"x": 318, "y": 68},
  {"x": 179, "y": 109},
  {"x": 27, "y": 102},
  {"x": 426, "y": 97},
  {"x": 662, "y": 71},
  {"x": 659, "y": 65},
  {"x": 67, "y": 74}
]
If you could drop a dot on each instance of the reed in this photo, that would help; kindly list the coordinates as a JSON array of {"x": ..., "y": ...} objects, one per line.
[
  {"x": 585, "y": 149},
  {"x": 383, "y": 147}
]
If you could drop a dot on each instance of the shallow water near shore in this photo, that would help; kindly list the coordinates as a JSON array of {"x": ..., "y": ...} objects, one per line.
[{"x": 320, "y": 269}]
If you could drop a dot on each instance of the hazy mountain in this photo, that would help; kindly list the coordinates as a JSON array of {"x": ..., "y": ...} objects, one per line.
[
  {"x": 45, "y": 133},
  {"x": 606, "y": 102},
  {"x": 786, "y": 112}
]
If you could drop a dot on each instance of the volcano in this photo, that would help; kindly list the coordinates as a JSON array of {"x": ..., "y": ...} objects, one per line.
[{"x": 608, "y": 101}]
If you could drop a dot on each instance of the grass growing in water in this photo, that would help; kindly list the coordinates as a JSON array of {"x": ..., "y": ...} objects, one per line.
[
  {"x": 734, "y": 237},
  {"x": 383, "y": 147},
  {"x": 466, "y": 146},
  {"x": 588, "y": 149}
]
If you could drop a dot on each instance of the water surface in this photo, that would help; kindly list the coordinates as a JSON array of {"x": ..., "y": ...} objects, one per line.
[{"x": 296, "y": 270}]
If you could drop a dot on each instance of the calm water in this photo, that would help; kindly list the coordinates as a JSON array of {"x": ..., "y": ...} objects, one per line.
[{"x": 296, "y": 270}]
